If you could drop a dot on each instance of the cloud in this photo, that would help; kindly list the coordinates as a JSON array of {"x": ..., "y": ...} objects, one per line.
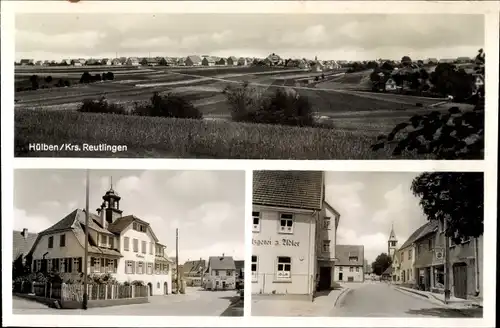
[
  {"x": 373, "y": 243},
  {"x": 32, "y": 222}
]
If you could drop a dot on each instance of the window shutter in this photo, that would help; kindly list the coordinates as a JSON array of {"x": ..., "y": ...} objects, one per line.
[{"x": 126, "y": 266}]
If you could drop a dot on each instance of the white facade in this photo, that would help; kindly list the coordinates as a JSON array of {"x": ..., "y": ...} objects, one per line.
[
  {"x": 220, "y": 279},
  {"x": 291, "y": 248},
  {"x": 344, "y": 273}
]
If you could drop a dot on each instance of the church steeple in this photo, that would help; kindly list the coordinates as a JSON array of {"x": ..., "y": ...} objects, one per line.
[
  {"x": 111, "y": 205},
  {"x": 392, "y": 243}
]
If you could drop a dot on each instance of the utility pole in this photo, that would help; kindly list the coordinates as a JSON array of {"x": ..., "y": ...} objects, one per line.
[
  {"x": 446, "y": 262},
  {"x": 177, "y": 259},
  {"x": 86, "y": 254}
]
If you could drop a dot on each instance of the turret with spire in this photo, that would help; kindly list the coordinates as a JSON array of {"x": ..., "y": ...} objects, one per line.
[
  {"x": 392, "y": 243},
  {"x": 110, "y": 207}
]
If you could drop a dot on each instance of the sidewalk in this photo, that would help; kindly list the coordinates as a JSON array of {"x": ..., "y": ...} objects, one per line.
[
  {"x": 292, "y": 307},
  {"x": 436, "y": 298}
]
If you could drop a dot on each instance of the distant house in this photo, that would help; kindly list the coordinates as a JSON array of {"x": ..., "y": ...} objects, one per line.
[
  {"x": 92, "y": 62},
  {"x": 193, "y": 60},
  {"x": 274, "y": 60},
  {"x": 123, "y": 60},
  {"x": 193, "y": 271},
  {"x": 242, "y": 61},
  {"x": 303, "y": 64},
  {"x": 78, "y": 62},
  {"x": 27, "y": 62},
  {"x": 66, "y": 62},
  {"x": 208, "y": 61},
  {"x": 149, "y": 62},
  {"x": 116, "y": 62},
  {"x": 47, "y": 62},
  {"x": 350, "y": 263},
  {"x": 232, "y": 61},
  {"x": 464, "y": 60},
  {"x": 22, "y": 243},
  {"x": 390, "y": 85},
  {"x": 167, "y": 61},
  {"x": 220, "y": 274},
  {"x": 133, "y": 61},
  {"x": 39, "y": 63},
  {"x": 240, "y": 269},
  {"x": 106, "y": 61},
  {"x": 222, "y": 62},
  {"x": 446, "y": 61}
]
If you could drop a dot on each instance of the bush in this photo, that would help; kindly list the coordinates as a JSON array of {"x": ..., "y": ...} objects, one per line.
[
  {"x": 101, "y": 106},
  {"x": 108, "y": 76},
  {"x": 284, "y": 106},
  {"x": 86, "y": 77},
  {"x": 170, "y": 105},
  {"x": 48, "y": 79}
]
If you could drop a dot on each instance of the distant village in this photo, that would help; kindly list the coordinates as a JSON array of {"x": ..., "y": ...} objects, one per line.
[{"x": 206, "y": 60}]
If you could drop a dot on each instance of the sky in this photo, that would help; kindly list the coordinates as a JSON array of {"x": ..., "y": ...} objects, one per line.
[
  {"x": 369, "y": 203},
  {"x": 328, "y": 36},
  {"x": 206, "y": 206}
]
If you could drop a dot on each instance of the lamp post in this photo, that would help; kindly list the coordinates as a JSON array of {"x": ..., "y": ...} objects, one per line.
[{"x": 86, "y": 252}]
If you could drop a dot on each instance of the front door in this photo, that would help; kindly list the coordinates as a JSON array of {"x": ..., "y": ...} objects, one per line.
[
  {"x": 460, "y": 280},
  {"x": 341, "y": 276},
  {"x": 325, "y": 278},
  {"x": 165, "y": 288}
]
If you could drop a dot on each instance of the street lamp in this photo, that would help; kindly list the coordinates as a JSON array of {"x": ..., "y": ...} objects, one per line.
[{"x": 86, "y": 252}]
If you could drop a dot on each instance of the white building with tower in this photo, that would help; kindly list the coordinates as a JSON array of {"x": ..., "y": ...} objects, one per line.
[{"x": 123, "y": 246}]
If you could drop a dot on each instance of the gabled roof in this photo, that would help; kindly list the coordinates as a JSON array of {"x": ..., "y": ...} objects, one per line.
[
  {"x": 344, "y": 252},
  {"x": 121, "y": 223},
  {"x": 221, "y": 263},
  {"x": 194, "y": 58},
  {"x": 194, "y": 267},
  {"x": 22, "y": 243},
  {"x": 233, "y": 58},
  {"x": 289, "y": 189},
  {"x": 413, "y": 236},
  {"x": 429, "y": 228}
]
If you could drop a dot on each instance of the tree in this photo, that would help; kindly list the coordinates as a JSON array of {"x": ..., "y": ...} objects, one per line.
[
  {"x": 48, "y": 79},
  {"x": 381, "y": 263},
  {"x": 85, "y": 78},
  {"x": 406, "y": 61},
  {"x": 34, "y": 82},
  {"x": 456, "y": 197},
  {"x": 456, "y": 134}
]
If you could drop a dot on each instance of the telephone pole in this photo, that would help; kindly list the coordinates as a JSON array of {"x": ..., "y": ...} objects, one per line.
[
  {"x": 86, "y": 254},
  {"x": 446, "y": 262},
  {"x": 177, "y": 259}
]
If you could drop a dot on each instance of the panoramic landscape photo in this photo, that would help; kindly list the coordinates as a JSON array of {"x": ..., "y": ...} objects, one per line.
[{"x": 250, "y": 86}]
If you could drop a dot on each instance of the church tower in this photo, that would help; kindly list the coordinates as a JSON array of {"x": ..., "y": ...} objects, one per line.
[
  {"x": 110, "y": 208},
  {"x": 392, "y": 243}
]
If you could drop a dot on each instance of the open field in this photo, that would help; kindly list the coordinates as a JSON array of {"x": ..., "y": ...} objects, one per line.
[{"x": 357, "y": 117}]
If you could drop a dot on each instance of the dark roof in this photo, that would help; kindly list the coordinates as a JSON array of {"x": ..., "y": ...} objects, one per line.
[
  {"x": 413, "y": 236},
  {"x": 429, "y": 228},
  {"x": 221, "y": 263},
  {"x": 387, "y": 271},
  {"x": 22, "y": 243},
  {"x": 120, "y": 224},
  {"x": 291, "y": 189},
  {"x": 240, "y": 265},
  {"x": 194, "y": 267}
]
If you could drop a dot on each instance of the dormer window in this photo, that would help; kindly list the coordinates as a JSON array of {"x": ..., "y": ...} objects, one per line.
[{"x": 353, "y": 259}]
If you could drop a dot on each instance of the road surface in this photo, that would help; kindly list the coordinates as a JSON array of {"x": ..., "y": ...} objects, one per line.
[
  {"x": 378, "y": 299},
  {"x": 195, "y": 302}
]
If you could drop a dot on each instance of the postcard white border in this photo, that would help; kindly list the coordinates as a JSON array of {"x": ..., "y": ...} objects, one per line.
[{"x": 491, "y": 10}]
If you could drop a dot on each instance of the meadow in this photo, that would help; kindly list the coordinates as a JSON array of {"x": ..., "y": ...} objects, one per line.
[{"x": 354, "y": 118}]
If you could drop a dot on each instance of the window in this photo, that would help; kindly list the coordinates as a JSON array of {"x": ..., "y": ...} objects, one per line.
[
  {"x": 430, "y": 244},
  {"x": 284, "y": 267},
  {"x": 326, "y": 223},
  {"x": 255, "y": 221},
  {"x": 286, "y": 223},
  {"x": 357, "y": 269},
  {"x": 126, "y": 241},
  {"x": 111, "y": 242},
  {"x": 351, "y": 269},
  {"x": 158, "y": 285},
  {"x": 51, "y": 242},
  {"x": 62, "y": 240},
  {"x": 254, "y": 268},
  {"x": 393, "y": 243},
  {"x": 103, "y": 241},
  {"x": 409, "y": 254},
  {"x": 216, "y": 273},
  {"x": 157, "y": 268},
  {"x": 228, "y": 273},
  {"x": 150, "y": 268},
  {"x": 38, "y": 265},
  {"x": 151, "y": 248},
  {"x": 76, "y": 265},
  {"x": 95, "y": 264},
  {"x": 140, "y": 267},
  {"x": 326, "y": 246},
  {"x": 353, "y": 259},
  {"x": 62, "y": 266},
  {"x": 142, "y": 228},
  {"x": 136, "y": 245},
  {"x": 129, "y": 267},
  {"x": 341, "y": 268},
  {"x": 143, "y": 247}
]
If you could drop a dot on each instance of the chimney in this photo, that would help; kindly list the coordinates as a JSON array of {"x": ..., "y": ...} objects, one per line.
[
  {"x": 102, "y": 217},
  {"x": 25, "y": 233}
]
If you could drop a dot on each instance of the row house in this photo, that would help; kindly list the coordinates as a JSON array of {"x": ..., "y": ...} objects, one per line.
[
  {"x": 22, "y": 243},
  {"x": 232, "y": 61},
  {"x": 220, "y": 273},
  {"x": 193, "y": 272},
  {"x": 150, "y": 62},
  {"x": 464, "y": 266},
  {"x": 123, "y": 246},
  {"x": 350, "y": 263},
  {"x": 133, "y": 61},
  {"x": 27, "y": 62},
  {"x": 294, "y": 233},
  {"x": 209, "y": 61},
  {"x": 193, "y": 60}
]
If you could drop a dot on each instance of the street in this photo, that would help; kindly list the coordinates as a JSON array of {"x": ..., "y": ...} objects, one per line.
[
  {"x": 195, "y": 302},
  {"x": 378, "y": 299}
]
